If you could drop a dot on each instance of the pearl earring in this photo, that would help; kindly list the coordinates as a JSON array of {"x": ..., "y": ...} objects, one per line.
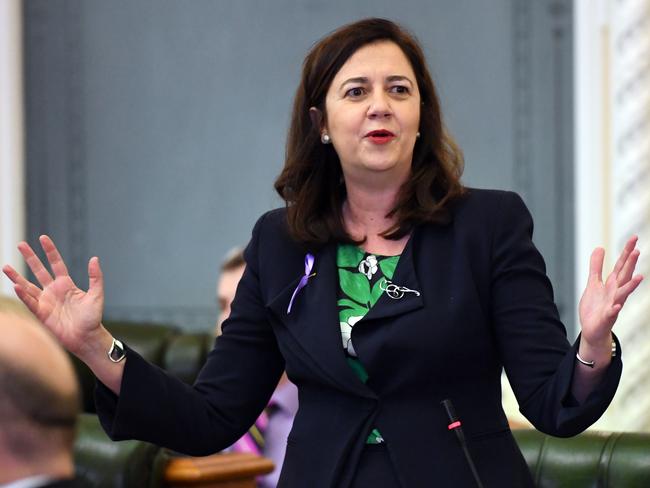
[
  {"x": 325, "y": 139},
  {"x": 417, "y": 136}
]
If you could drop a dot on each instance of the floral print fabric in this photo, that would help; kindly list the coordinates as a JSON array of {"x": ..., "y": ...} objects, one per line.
[{"x": 362, "y": 280}]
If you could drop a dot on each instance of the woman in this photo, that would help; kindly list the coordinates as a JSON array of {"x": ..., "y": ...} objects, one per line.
[{"x": 435, "y": 289}]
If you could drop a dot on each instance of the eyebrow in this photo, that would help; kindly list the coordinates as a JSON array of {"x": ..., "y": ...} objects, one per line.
[{"x": 363, "y": 79}]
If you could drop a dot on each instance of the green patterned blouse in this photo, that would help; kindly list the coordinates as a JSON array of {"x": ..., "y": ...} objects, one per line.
[{"x": 362, "y": 280}]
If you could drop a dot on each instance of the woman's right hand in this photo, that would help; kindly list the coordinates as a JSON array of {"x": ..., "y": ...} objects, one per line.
[{"x": 72, "y": 315}]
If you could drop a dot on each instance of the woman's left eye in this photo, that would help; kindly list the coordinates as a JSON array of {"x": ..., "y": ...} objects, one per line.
[{"x": 400, "y": 89}]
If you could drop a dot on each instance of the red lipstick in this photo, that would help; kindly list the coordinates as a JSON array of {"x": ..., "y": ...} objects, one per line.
[{"x": 380, "y": 136}]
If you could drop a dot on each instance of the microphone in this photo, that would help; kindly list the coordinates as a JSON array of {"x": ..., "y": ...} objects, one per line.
[{"x": 455, "y": 425}]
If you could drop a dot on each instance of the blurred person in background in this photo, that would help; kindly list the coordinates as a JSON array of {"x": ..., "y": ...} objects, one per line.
[
  {"x": 232, "y": 269},
  {"x": 268, "y": 436},
  {"x": 39, "y": 403}
]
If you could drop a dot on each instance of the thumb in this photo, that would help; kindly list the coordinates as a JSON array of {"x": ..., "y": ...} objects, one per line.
[{"x": 95, "y": 278}]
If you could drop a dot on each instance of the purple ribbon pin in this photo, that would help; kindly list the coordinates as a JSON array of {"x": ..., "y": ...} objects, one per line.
[{"x": 309, "y": 264}]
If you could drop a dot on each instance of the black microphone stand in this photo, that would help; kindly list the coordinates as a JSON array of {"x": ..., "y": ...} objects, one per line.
[{"x": 455, "y": 425}]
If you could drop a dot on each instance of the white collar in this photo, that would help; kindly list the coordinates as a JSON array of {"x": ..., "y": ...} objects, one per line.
[{"x": 31, "y": 482}]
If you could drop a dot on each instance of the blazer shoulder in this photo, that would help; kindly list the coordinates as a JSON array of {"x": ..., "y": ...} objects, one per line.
[
  {"x": 481, "y": 197},
  {"x": 270, "y": 240},
  {"x": 276, "y": 217},
  {"x": 481, "y": 213},
  {"x": 271, "y": 225}
]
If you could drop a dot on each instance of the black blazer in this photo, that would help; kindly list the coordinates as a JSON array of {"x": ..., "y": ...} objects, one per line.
[{"x": 485, "y": 304}]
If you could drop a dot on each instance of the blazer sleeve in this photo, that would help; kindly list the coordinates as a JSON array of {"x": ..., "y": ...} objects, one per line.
[
  {"x": 538, "y": 359},
  {"x": 231, "y": 390}
]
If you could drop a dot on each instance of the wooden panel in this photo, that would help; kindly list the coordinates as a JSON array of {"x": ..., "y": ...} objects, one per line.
[{"x": 227, "y": 470}]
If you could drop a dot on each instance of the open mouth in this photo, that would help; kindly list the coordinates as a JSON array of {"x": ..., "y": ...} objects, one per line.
[{"x": 380, "y": 136}]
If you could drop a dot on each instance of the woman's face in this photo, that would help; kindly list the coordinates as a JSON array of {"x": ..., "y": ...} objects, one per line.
[{"x": 373, "y": 114}]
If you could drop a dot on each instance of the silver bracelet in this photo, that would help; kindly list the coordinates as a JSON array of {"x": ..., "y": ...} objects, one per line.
[
  {"x": 586, "y": 363},
  {"x": 592, "y": 363}
]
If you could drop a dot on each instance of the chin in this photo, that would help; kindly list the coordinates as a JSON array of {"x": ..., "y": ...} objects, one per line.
[
  {"x": 379, "y": 166},
  {"x": 384, "y": 164}
]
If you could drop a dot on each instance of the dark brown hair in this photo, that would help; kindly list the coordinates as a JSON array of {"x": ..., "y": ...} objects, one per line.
[{"x": 311, "y": 182}]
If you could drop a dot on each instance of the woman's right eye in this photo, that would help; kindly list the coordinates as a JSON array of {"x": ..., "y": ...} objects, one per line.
[{"x": 357, "y": 91}]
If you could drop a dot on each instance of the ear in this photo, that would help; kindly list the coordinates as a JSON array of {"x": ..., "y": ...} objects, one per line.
[{"x": 317, "y": 121}]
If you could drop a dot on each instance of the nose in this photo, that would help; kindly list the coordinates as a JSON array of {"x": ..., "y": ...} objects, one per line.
[{"x": 379, "y": 105}]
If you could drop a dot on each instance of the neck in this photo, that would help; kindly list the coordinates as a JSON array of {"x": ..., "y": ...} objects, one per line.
[
  {"x": 365, "y": 210},
  {"x": 364, "y": 215},
  {"x": 283, "y": 379}
]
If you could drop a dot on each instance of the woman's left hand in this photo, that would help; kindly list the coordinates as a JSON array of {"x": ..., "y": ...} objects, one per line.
[{"x": 602, "y": 302}]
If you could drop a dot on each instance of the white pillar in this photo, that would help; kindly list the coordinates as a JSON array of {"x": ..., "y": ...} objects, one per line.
[
  {"x": 591, "y": 132},
  {"x": 630, "y": 101},
  {"x": 612, "y": 92},
  {"x": 12, "y": 181}
]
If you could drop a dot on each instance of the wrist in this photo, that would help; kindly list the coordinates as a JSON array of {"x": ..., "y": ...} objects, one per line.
[
  {"x": 600, "y": 345},
  {"x": 596, "y": 355},
  {"x": 96, "y": 347},
  {"x": 95, "y": 353}
]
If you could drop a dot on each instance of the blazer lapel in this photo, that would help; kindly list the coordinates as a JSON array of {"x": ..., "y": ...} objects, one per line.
[
  {"x": 404, "y": 277},
  {"x": 428, "y": 251},
  {"x": 313, "y": 321}
]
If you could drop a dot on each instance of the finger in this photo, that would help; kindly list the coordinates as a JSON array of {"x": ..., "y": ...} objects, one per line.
[
  {"x": 11, "y": 273},
  {"x": 95, "y": 277},
  {"x": 626, "y": 290},
  {"x": 18, "y": 279},
  {"x": 30, "y": 302},
  {"x": 596, "y": 265},
  {"x": 627, "y": 249},
  {"x": 42, "y": 274},
  {"x": 627, "y": 271},
  {"x": 53, "y": 257}
]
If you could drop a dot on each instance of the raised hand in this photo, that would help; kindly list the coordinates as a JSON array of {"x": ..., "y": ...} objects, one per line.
[
  {"x": 601, "y": 302},
  {"x": 72, "y": 315}
]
